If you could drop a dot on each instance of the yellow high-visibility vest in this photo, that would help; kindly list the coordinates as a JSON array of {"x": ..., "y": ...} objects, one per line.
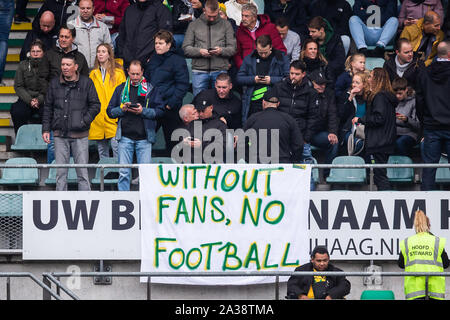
[{"x": 422, "y": 253}]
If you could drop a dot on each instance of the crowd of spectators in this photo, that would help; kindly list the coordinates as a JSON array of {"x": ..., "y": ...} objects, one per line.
[{"x": 308, "y": 58}]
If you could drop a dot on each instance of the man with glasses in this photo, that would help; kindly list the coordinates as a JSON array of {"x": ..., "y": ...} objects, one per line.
[{"x": 260, "y": 70}]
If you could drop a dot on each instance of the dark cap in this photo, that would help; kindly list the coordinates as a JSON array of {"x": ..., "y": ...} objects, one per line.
[
  {"x": 202, "y": 104},
  {"x": 318, "y": 77},
  {"x": 270, "y": 96}
]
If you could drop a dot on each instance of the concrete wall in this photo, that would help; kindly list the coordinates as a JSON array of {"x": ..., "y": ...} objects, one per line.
[{"x": 130, "y": 288}]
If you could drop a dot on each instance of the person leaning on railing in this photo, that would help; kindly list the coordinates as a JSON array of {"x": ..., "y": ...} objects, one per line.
[{"x": 423, "y": 252}]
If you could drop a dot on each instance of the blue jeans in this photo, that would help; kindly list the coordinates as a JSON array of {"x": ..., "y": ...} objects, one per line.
[
  {"x": 434, "y": 142},
  {"x": 51, "y": 149},
  {"x": 203, "y": 80},
  {"x": 308, "y": 159},
  {"x": 404, "y": 145},
  {"x": 126, "y": 151},
  {"x": 178, "y": 38},
  {"x": 6, "y": 18},
  {"x": 369, "y": 36}
]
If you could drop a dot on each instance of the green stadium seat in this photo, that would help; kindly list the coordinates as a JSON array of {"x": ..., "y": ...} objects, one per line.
[
  {"x": 160, "y": 143},
  {"x": 188, "y": 98},
  {"x": 372, "y": 62},
  {"x": 400, "y": 175},
  {"x": 72, "y": 178},
  {"x": 20, "y": 176},
  {"x": 29, "y": 138},
  {"x": 443, "y": 174},
  {"x": 347, "y": 175},
  {"x": 163, "y": 160},
  {"x": 260, "y": 4},
  {"x": 377, "y": 295},
  {"x": 113, "y": 172}
]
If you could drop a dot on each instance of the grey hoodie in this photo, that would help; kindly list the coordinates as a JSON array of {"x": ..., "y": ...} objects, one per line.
[{"x": 411, "y": 127}]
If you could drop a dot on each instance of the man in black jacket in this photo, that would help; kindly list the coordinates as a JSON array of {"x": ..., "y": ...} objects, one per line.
[
  {"x": 432, "y": 103},
  {"x": 290, "y": 141},
  {"x": 322, "y": 125},
  {"x": 47, "y": 33},
  {"x": 318, "y": 287},
  {"x": 404, "y": 63},
  {"x": 330, "y": 44},
  {"x": 227, "y": 106},
  {"x": 51, "y": 62},
  {"x": 297, "y": 98},
  {"x": 71, "y": 104},
  {"x": 141, "y": 21}
]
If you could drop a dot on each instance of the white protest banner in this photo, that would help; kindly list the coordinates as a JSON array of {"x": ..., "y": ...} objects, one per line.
[{"x": 223, "y": 218}]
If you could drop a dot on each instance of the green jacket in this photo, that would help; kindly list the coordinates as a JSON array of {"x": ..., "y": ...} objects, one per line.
[{"x": 27, "y": 83}]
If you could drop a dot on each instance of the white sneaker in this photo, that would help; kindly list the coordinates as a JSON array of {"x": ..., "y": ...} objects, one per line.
[{"x": 135, "y": 180}]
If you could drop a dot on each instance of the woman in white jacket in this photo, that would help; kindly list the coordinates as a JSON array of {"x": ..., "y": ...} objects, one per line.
[{"x": 234, "y": 8}]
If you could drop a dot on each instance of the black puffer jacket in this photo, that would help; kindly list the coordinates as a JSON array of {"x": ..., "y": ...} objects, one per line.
[
  {"x": 337, "y": 286},
  {"x": 298, "y": 101},
  {"x": 70, "y": 108},
  {"x": 433, "y": 96},
  {"x": 380, "y": 128},
  {"x": 323, "y": 115}
]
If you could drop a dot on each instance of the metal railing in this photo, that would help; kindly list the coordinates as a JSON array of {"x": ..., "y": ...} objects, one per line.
[
  {"x": 46, "y": 289},
  {"x": 54, "y": 277},
  {"x": 102, "y": 167}
]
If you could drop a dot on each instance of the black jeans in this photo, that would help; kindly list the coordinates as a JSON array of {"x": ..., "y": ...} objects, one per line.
[
  {"x": 21, "y": 6},
  {"x": 379, "y": 174},
  {"x": 22, "y": 113}
]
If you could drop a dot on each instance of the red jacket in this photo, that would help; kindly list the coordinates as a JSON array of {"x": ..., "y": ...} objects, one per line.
[
  {"x": 115, "y": 8},
  {"x": 246, "y": 44}
]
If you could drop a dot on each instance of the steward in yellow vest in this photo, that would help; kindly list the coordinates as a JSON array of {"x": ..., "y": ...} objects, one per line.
[{"x": 423, "y": 252}]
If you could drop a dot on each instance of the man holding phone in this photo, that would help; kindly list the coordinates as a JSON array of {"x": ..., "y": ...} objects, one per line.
[
  {"x": 138, "y": 105},
  {"x": 210, "y": 43},
  {"x": 260, "y": 70}
]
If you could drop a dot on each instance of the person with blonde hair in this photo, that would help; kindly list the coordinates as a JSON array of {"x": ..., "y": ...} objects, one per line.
[
  {"x": 107, "y": 74},
  {"x": 353, "y": 64},
  {"x": 423, "y": 252},
  {"x": 379, "y": 124},
  {"x": 350, "y": 104}
]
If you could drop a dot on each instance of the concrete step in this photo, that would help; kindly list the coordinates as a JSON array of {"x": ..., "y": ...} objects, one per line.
[
  {"x": 21, "y": 26},
  {"x": 7, "y": 90}
]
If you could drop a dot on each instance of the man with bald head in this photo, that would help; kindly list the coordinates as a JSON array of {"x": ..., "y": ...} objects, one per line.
[
  {"x": 47, "y": 33},
  {"x": 425, "y": 36},
  {"x": 433, "y": 95},
  {"x": 62, "y": 9}
]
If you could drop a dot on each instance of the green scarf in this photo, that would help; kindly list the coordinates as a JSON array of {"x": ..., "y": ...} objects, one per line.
[{"x": 142, "y": 90}]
